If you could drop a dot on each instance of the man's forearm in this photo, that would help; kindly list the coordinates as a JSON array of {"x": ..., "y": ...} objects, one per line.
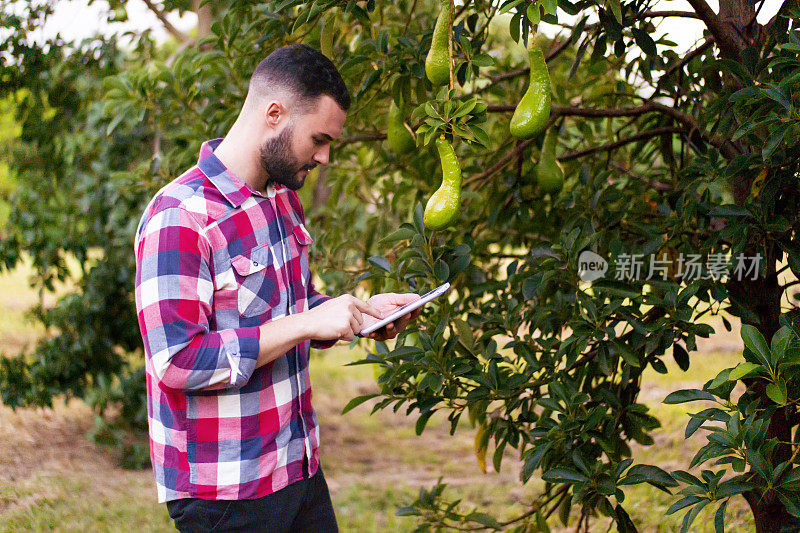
[{"x": 279, "y": 336}]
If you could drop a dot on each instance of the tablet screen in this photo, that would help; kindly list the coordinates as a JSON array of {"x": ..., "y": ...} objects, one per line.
[{"x": 425, "y": 298}]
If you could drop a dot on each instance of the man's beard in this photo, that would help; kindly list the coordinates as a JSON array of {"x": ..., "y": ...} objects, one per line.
[{"x": 279, "y": 163}]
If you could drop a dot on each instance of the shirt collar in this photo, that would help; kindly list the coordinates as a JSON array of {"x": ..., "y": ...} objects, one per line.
[{"x": 232, "y": 188}]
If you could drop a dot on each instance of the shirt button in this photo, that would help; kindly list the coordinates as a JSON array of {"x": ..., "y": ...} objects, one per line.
[{"x": 255, "y": 263}]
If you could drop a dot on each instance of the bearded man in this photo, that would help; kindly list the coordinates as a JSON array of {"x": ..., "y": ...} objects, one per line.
[{"x": 228, "y": 312}]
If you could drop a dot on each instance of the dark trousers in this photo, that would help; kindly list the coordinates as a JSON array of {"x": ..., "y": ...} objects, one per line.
[{"x": 303, "y": 506}]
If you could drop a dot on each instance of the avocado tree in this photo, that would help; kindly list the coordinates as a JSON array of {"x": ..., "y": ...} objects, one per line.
[{"x": 679, "y": 201}]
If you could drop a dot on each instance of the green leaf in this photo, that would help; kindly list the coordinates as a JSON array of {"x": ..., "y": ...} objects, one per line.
[
  {"x": 780, "y": 341},
  {"x": 688, "y": 395},
  {"x": 773, "y": 141},
  {"x": 115, "y": 122},
  {"x": 541, "y": 523},
  {"x": 644, "y": 41},
  {"x": 550, "y": 6},
  {"x": 431, "y": 111},
  {"x": 380, "y": 262},
  {"x": 732, "y": 488},
  {"x": 422, "y": 420},
  {"x": 722, "y": 378},
  {"x": 624, "y": 522},
  {"x": 514, "y": 27},
  {"x": 616, "y": 8},
  {"x": 791, "y": 481},
  {"x": 400, "y": 234},
  {"x": 464, "y": 333},
  {"x": 777, "y": 392},
  {"x": 697, "y": 420},
  {"x": 530, "y": 285},
  {"x": 466, "y": 107},
  {"x": 355, "y": 402},
  {"x": 648, "y": 474},
  {"x": 441, "y": 270},
  {"x": 508, "y": 6},
  {"x": 755, "y": 341},
  {"x": 563, "y": 475},
  {"x": 483, "y": 519},
  {"x": 743, "y": 369},
  {"x": 777, "y": 96},
  {"x": 578, "y": 57},
  {"x": 682, "y": 503},
  {"x": 626, "y": 353},
  {"x": 729, "y": 211},
  {"x": 534, "y": 15},
  {"x": 689, "y": 517},
  {"x": 681, "y": 356},
  {"x": 419, "y": 213},
  {"x": 480, "y": 135}
]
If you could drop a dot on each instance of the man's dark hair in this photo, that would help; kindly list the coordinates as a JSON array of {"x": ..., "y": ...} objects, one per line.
[{"x": 301, "y": 70}]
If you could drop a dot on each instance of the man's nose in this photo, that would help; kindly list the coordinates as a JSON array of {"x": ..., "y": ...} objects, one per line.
[{"x": 322, "y": 154}]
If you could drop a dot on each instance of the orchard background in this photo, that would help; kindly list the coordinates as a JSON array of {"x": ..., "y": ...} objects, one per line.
[{"x": 666, "y": 155}]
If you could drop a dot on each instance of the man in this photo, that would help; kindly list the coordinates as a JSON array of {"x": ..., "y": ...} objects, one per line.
[{"x": 227, "y": 312}]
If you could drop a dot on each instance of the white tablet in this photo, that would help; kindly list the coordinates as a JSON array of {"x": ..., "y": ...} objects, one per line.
[{"x": 438, "y": 291}]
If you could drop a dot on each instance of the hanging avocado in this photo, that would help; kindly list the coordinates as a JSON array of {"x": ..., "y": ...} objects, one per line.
[
  {"x": 399, "y": 138},
  {"x": 437, "y": 63},
  {"x": 533, "y": 111},
  {"x": 549, "y": 175},
  {"x": 443, "y": 206}
]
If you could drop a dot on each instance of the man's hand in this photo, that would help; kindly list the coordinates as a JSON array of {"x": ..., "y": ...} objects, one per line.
[
  {"x": 339, "y": 318},
  {"x": 387, "y": 304}
]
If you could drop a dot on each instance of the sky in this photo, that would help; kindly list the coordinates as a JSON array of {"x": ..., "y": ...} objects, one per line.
[{"x": 77, "y": 19}]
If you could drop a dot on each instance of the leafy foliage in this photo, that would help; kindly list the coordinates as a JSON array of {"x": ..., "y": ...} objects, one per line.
[{"x": 539, "y": 360}]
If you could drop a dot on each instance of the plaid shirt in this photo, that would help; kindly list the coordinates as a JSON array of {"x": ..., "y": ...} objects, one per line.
[{"x": 214, "y": 260}]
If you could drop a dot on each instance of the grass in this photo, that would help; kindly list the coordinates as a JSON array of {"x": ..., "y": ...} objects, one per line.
[
  {"x": 64, "y": 506},
  {"x": 53, "y": 479}
]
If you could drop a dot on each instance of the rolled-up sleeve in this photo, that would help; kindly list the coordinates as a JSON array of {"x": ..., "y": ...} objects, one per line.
[{"x": 174, "y": 294}]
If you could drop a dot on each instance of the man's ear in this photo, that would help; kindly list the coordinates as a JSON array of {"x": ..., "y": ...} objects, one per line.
[{"x": 275, "y": 113}]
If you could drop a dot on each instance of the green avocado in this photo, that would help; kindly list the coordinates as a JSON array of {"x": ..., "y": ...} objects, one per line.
[
  {"x": 549, "y": 175},
  {"x": 443, "y": 206},
  {"x": 399, "y": 138},
  {"x": 533, "y": 111},
  {"x": 437, "y": 63}
]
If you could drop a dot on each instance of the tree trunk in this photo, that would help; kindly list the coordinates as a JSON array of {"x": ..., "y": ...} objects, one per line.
[
  {"x": 204, "y": 18},
  {"x": 321, "y": 189},
  {"x": 736, "y": 21}
]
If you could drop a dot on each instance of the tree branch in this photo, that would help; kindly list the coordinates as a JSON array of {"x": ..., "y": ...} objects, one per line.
[
  {"x": 410, "y": 16},
  {"x": 462, "y": 9},
  {"x": 554, "y": 51},
  {"x": 653, "y": 183},
  {"x": 688, "y": 57},
  {"x": 650, "y": 14},
  {"x": 729, "y": 41},
  {"x": 655, "y": 132},
  {"x": 360, "y": 138},
  {"x": 175, "y": 32},
  {"x": 557, "y": 494},
  {"x": 501, "y": 163},
  {"x": 688, "y": 122}
]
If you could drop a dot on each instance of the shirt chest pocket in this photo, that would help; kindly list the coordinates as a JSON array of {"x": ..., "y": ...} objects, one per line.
[
  {"x": 257, "y": 281},
  {"x": 302, "y": 240}
]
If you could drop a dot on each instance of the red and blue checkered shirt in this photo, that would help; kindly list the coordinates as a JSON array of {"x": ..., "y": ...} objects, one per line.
[{"x": 215, "y": 259}]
